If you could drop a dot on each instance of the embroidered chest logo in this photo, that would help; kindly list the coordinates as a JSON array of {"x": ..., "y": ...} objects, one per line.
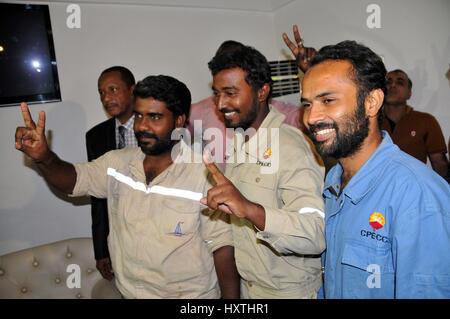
[
  {"x": 267, "y": 153},
  {"x": 177, "y": 232},
  {"x": 377, "y": 220}
]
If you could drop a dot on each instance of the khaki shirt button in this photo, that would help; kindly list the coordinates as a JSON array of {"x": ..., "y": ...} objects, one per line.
[
  {"x": 258, "y": 179},
  {"x": 24, "y": 290},
  {"x": 78, "y": 296}
]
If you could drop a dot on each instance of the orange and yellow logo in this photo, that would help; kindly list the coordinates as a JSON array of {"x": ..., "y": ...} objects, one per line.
[
  {"x": 267, "y": 153},
  {"x": 377, "y": 220}
]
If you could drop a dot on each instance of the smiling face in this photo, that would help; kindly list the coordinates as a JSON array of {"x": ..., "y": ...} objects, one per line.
[
  {"x": 235, "y": 98},
  {"x": 153, "y": 126},
  {"x": 116, "y": 96},
  {"x": 337, "y": 125}
]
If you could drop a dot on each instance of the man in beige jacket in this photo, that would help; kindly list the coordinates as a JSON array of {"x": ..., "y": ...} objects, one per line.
[{"x": 272, "y": 184}]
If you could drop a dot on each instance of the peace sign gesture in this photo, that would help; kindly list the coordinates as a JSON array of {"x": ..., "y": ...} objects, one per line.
[
  {"x": 303, "y": 55},
  {"x": 31, "y": 138},
  {"x": 226, "y": 197}
]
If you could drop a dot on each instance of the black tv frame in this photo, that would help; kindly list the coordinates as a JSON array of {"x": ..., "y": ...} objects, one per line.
[{"x": 37, "y": 98}]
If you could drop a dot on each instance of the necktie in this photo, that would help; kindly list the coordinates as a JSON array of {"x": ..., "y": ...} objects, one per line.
[{"x": 121, "y": 137}]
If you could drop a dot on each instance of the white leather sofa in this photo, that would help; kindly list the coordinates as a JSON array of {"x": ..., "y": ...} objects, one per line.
[{"x": 51, "y": 271}]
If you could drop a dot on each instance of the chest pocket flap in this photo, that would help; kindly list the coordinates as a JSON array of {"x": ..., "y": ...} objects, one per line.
[{"x": 366, "y": 258}]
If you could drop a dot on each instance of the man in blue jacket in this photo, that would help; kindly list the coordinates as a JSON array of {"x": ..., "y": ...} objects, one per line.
[{"x": 387, "y": 215}]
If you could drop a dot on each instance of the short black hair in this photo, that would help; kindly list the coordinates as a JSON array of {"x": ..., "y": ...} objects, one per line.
[
  {"x": 125, "y": 74},
  {"x": 403, "y": 72},
  {"x": 249, "y": 60},
  {"x": 166, "y": 89},
  {"x": 368, "y": 70},
  {"x": 229, "y": 45}
]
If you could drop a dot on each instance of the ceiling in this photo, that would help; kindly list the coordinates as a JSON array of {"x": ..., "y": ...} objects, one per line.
[{"x": 246, "y": 5}]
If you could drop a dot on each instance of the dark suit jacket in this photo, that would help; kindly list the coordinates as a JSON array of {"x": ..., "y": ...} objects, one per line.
[{"x": 99, "y": 140}]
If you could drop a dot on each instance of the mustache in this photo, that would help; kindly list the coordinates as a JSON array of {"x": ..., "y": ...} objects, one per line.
[{"x": 141, "y": 134}]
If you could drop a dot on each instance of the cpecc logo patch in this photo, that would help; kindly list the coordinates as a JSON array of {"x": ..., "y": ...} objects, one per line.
[{"x": 377, "y": 220}]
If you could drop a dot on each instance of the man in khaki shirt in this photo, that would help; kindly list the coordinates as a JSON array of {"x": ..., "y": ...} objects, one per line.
[
  {"x": 272, "y": 185},
  {"x": 161, "y": 242}
]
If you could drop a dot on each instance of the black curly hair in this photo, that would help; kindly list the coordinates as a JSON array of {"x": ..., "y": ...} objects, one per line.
[
  {"x": 166, "y": 89},
  {"x": 368, "y": 70},
  {"x": 249, "y": 60}
]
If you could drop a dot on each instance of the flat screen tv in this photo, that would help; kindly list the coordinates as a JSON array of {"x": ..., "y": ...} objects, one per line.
[{"x": 28, "y": 69}]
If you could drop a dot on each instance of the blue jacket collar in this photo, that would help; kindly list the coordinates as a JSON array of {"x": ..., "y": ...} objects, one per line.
[{"x": 368, "y": 175}]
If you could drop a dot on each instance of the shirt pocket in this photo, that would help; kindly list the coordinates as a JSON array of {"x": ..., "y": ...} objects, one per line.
[
  {"x": 367, "y": 272},
  {"x": 180, "y": 217},
  {"x": 117, "y": 196},
  {"x": 259, "y": 187}
]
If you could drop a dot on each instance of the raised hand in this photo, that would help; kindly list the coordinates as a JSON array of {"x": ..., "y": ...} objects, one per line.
[
  {"x": 303, "y": 55},
  {"x": 226, "y": 197},
  {"x": 31, "y": 138}
]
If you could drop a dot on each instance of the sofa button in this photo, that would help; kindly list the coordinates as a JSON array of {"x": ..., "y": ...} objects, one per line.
[
  {"x": 2, "y": 272},
  {"x": 69, "y": 255},
  {"x": 35, "y": 263},
  {"x": 78, "y": 296},
  {"x": 57, "y": 280},
  {"x": 89, "y": 271},
  {"x": 24, "y": 290}
]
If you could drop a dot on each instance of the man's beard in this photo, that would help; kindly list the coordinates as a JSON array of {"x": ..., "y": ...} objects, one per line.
[
  {"x": 244, "y": 123},
  {"x": 160, "y": 146},
  {"x": 349, "y": 135}
]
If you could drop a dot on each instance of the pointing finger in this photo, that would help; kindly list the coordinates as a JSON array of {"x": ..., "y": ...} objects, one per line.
[
  {"x": 212, "y": 168},
  {"x": 289, "y": 43},
  {"x": 41, "y": 123},
  {"x": 26, "y": 115},
  {"x": 297, "y": 37}
]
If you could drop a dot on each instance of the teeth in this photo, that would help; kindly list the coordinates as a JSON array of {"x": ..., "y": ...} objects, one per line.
[
  {"x": 326, "y": 131},
  {"x": 229, "y": 114}
]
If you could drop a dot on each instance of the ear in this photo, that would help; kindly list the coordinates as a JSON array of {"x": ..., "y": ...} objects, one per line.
[
  {"x": 263, "y": 92},
  {"x": 132, "y": 89},
  {"x": 373, "y": 102},
  {"x": 180, "y": 120},
  {"x": 409, "y": 94}
]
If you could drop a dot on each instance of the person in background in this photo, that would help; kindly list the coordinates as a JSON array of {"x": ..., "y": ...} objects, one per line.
[
  {"x": 416, "y": 133},
  {"x": 115, "y": 87}
]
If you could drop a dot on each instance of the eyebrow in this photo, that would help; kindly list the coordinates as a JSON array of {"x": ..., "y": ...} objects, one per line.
[
  {"x": 226, "y": 88},
  {"x": 302, "y": 99},
  {"x": 148, "y": 114}
]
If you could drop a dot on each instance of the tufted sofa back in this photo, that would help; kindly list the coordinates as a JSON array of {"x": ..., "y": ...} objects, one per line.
[{"x": 54, "y": 270}]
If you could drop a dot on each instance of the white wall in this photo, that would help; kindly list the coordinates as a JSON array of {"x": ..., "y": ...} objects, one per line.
[
  {"x": 414, "y": 36},
  {"x": 179, "y": 42}
]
